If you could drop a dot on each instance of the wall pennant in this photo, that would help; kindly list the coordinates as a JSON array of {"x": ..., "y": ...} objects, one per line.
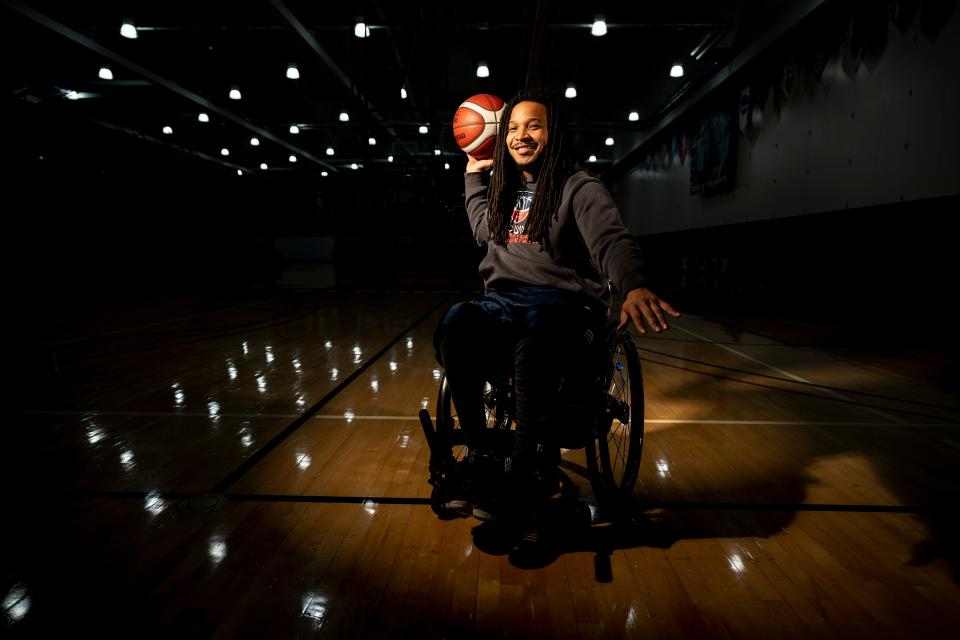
[{"x": 744, "y": 109}]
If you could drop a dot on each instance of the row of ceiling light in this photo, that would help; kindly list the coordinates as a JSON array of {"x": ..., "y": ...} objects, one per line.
[
  {"x": 361, "y": 30},
  {"x": 293, "y": 73},
  {"x": 599, "y": 28}
]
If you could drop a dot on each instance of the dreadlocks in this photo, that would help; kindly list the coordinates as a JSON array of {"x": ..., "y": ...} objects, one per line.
[{"x": 555, "y": 167}]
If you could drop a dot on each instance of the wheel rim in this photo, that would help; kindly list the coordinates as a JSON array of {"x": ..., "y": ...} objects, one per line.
[
  {"x": 619, "y": 446},
  {"x": 447, "y": 418}
]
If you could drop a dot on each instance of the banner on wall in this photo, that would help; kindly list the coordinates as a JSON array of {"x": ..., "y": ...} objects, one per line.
[
  {"x": 789, "y": 76},
  {"x": 712, "y": 154},
  {"x": 902, "y": 13},
  {"x": 744, "y": 109}
]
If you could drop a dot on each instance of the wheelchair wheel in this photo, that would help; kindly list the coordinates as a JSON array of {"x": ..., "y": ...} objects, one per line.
[
  {"x": 613, "y": 454},
  {"x": 497, "y": 407}
]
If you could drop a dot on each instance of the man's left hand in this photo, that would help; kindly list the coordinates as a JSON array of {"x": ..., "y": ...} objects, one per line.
[{"x": 644, "y": 306}]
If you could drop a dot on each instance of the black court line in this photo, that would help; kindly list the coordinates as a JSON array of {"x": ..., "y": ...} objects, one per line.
[
  {"x": 764, "y": 506},
  {"x": 797, "y": 392},
  {"x": 645, "y": 504},
  {"x": 365, "y": 500},
  {"x": 263, "y": 451},
  {"x": 799, "y": 382}
]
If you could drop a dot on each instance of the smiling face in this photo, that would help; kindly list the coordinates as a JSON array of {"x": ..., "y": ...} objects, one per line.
[{"x": 527, "y": 135}]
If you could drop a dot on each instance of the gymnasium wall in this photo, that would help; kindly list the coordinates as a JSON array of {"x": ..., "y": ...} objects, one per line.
[{"x": 879, "y": 125}]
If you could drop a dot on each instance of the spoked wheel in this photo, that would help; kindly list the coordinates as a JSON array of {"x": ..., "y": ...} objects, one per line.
[
  {"x": 448, "y": 428},
  {"x": 498, "y": 410},
  {"x": 613, "y": 454},
  {"x": 499, "y": 414}
]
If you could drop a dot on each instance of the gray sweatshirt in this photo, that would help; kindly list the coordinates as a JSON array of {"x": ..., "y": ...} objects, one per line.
[{"x": 589, "y": 243}]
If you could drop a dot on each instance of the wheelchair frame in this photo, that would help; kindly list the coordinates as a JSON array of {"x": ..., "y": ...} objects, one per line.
[{"x": 612, "y": 434}]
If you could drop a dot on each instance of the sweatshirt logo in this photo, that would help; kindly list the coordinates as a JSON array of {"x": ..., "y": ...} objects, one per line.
[{"x": 518, "y": 221}]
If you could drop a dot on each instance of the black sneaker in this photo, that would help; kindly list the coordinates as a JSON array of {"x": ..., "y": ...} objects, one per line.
[
  {"x": 479, "y": 472},
  {"x": 521, "y": 496}
]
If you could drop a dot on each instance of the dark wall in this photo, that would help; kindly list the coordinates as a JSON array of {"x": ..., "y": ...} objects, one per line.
[
  {"x": 95, "y": 212},
  {"x": 887, "y": 271}
]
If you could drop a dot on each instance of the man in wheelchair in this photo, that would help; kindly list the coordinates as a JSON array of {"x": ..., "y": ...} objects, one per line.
[{"x": 554, "y": 242}]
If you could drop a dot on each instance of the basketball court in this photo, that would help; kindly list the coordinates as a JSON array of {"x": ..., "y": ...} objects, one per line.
[
  {"x": 257, "y": 468},
  {"x": 231, "y": 229}
]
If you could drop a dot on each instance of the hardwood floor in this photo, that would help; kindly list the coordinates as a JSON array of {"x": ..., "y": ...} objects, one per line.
[{"x": 255, "y": 468}]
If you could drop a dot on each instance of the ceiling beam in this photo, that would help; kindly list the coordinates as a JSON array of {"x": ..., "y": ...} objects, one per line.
[
  {"x": 399, "y": 59},
  {"x": 139, "y": 135},
  {"x": 307, "y": 38},
  {"x": 157, "y": 79},
  {"x": 534, "y": 76},
  {"x": 449, "y": 26}
]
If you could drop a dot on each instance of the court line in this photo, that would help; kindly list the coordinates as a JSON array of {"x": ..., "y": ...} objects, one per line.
[
  {"x": 792, "y": 376},
  {"x": 67, "y": 341},
  {"x": 274, "y": 442},
  {"x": 409, "y": 500},
  {"x": 146, "y": 414},
  {"x": 414, "y": 418},
  {"x": 713, "y": 365},
  {"x": 797, "y": 392}
]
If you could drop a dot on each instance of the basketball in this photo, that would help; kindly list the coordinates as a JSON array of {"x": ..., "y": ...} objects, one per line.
[{"x": 475, "y": 124}]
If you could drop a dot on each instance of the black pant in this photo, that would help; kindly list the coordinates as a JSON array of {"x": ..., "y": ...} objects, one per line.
[{"x": 539, "y": 334}]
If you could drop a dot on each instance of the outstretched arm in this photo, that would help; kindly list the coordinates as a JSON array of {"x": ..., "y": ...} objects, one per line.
[{"x": 644, "y": 306}]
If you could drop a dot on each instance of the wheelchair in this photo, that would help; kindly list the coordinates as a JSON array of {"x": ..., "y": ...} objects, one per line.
[{"x": 600, "y": 411}]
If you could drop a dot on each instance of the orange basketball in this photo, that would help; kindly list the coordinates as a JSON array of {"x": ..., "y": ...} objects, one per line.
[{"x": 475, "y": 124}]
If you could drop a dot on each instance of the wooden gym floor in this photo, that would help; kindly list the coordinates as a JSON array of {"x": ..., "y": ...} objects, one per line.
[{"x": 254, "y": 468}]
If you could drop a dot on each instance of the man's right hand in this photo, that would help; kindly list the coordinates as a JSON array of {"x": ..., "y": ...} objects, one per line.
[{"x": 476, "y": 166}]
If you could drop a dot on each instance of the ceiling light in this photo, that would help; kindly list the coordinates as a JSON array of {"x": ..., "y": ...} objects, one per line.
[
  {"x": 423, "y": 128},
  {"x": 483, "y": 71},
  {"x": 354, "y": 166},
  {"x": 203, "y": 117},
  {"x": 263, "y": 166},
  {"x": 127, "y": 30},
  {"x": 234, "y": 93},
  {"x": 633, "y": 117},
  {"x": 571, "y": 91},
  {"x": 403, "y": 93},
  {"x": 676, "y": 71},
  {"x": 324, "y": 174},
  {"x": 344, "y": 116},
  {"x": 371, "y": 141},
  {"x": 329, "y": 151},
  {"x": 389, "y": 158},
  {"x": 224, "y": 151},
  {"x": 254, "y": 142},
  {"x": 294, "y": 129},
  {"x": 599, "y": 26},
  {"x": 105, "y": 73},
  {"x": 292, "y": 158},
  {"x": 436, "y": 151},
  {"x": 292, "y": 72},
  {"x": 239, "y": 172},
  {"x": 168, "y": 130},
  {"x": 608, "y": 141},
  {"x": 72, "y": 95},
  {"x": 446, "y": 165},
  {"x": 361, "y": 30},
  {"x": 592, "y": 159}
]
